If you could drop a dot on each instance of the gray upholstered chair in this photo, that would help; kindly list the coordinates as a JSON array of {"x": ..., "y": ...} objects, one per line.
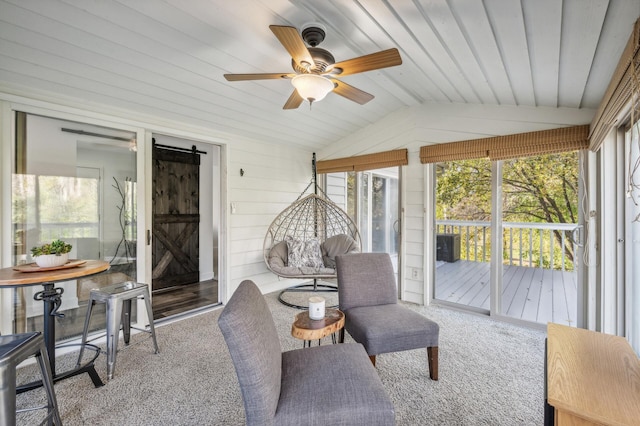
[
  {"x": 322, "y": 385},
  {"x": 369, "y": 299}
]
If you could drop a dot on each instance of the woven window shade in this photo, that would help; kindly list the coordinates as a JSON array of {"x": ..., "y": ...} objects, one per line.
[
  {"x": 510, "y": 146},
  {"x": 465, "y": 150},
  {"x": 379, "y": 160},
  {"x": 619, "y": 92}
]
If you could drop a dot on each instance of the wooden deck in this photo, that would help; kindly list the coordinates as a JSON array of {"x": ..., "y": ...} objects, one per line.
[{"x": 532, "y": 294}]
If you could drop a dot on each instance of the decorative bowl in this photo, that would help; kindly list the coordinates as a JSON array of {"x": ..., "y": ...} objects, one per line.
[{"x": 51, "y": 260}]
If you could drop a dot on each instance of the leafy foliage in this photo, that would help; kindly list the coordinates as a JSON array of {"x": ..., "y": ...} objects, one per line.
[
  {"x": 56, "y": 247},
  {"x": 542, "y": 189},
  {"x": 464, "y": 191}
]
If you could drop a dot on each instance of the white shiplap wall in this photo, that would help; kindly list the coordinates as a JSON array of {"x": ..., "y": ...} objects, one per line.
[
  {"x": 274, "y": 177},
  {"x": 414, "y": 127}
]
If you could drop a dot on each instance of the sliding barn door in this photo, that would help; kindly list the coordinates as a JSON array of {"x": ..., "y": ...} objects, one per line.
[{"x": 176, "y": 218}]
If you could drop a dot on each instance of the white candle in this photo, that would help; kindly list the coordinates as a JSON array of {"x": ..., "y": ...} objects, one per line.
[{"x": 316, "y": 307}]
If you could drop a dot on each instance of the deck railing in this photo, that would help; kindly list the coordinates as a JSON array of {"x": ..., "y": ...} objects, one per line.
[{"x": 543, "y": 245}]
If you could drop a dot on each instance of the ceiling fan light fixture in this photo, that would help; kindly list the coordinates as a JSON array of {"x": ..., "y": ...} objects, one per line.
[
  {"x": 315, "y": 68},
  {"x": 312, "y": 87}
]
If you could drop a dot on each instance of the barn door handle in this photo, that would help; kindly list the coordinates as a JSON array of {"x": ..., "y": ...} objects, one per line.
[{"x": 148, "y": 237}]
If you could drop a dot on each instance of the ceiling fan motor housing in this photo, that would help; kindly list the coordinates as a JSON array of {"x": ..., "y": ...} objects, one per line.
[
  {"x": 321, "y": 57},
  {"x": 313, "y": 35}
]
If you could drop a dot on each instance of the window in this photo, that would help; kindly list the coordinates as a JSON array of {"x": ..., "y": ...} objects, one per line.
[{"x": 632, "y": 246}]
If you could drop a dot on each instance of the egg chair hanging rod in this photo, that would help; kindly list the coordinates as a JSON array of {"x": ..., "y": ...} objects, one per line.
[{"x": 314, "y": 181}]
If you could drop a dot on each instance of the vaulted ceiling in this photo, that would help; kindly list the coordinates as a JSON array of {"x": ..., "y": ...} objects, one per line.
[{"x": 167, "y": 57}]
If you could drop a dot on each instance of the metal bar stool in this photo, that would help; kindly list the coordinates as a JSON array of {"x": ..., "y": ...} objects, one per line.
[
  {"x": 15, "y": 348},
  {"x": 118, "y": 299}
]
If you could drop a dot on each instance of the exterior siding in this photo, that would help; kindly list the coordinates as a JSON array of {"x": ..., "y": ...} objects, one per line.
[{"x": 335, "y": 186}]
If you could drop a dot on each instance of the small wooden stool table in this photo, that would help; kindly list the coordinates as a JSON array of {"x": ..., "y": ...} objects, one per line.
[{"x": 307, "y": 329}]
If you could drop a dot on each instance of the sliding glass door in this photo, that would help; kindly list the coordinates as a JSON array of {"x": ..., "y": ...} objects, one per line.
[
  {"x": 540, "y": 223},
  {"x": 507, "y": 237},
  {"x": 373, "y": 203},
  {"x": 463, "y": 233},
  {"x": 76, "y": 182},
  {"x": 632, "y": 236}
]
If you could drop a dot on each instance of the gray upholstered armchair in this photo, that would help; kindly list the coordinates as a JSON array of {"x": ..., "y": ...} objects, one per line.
[
  {"x": 322, "y": 385},
  {"x": 369, "y": 299}
]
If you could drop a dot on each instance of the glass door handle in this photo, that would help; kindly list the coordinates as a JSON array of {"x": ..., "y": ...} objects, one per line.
[{"x": 576, "y": 236}]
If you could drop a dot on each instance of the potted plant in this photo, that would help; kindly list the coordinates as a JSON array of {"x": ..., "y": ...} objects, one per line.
[{"x": 55, "y": 253}]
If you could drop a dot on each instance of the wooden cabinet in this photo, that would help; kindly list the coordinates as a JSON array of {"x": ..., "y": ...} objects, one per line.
[{"x": 592, "y": 378}]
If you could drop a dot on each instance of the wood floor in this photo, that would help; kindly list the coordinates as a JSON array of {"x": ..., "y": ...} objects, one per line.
[
  {"x": 532, "y": 294},
  {"x": 178, "y": 300}
]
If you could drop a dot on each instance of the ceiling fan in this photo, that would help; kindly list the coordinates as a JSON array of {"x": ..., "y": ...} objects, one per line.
[{"x": 315, "y": 69}]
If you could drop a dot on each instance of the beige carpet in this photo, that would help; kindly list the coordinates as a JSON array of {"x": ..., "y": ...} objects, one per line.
[{"x": 491, "y": 373}]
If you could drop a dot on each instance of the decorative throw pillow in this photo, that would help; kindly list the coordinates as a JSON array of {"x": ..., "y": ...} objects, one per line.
[
  {"x": 278, "y": 255},
  {"x": 333, "y": 246},
  {"x": 313, "y": 253},
  {"x": 304, "y": 253},
  {"x": 339, "y": 244}
]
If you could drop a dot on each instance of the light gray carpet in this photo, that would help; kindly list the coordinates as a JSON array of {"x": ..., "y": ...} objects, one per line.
[{"x": 491, "y": 373}]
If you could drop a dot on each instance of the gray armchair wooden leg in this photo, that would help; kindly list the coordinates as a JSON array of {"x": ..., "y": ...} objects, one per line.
[
  {"x": 373, "y": 359},
  {"x": 432, "y": 356}
]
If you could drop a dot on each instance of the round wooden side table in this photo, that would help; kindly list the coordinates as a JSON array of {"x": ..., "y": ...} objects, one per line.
[{"x": 306, "y": 329}]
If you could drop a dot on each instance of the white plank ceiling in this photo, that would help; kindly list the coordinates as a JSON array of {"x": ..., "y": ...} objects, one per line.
[{"x": 167, "y": 57}]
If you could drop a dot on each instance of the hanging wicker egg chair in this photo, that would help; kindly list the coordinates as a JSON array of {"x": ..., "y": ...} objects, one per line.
[{"x": 304, "y": 239}]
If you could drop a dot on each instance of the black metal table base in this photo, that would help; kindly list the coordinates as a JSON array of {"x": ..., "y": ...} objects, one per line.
[
  {"x": 88, "y": 367},
  {"x": 310, "y": 287},
  {"x": 52, "y": 300}
]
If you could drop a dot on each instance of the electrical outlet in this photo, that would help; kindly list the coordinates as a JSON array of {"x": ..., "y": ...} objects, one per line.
[{"x": 414, "y": 273}]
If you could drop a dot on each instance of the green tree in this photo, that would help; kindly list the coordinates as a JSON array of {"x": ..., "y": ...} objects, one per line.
[
  {"x": 464, "y": 190},
  {"x": 542, "y": 189}
]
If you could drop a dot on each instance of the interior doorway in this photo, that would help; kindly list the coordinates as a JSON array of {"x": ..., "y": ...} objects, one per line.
[
  {"x": 176, "y": 216},
  {"x": 186, "y": 220}
]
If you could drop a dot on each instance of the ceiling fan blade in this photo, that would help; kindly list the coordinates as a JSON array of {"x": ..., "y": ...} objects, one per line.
[
  {"x": 373, "y": 61},
  {"x": 294, "y": 101},
  {"x": 291, "y": 40},
  {"x": 242, "y": 77},
  {"x": 350, "y": 92}
]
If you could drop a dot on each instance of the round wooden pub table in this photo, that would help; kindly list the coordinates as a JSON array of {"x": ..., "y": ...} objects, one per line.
[
  {"x": 51, "y": 297},
  {"x": 307, "y": 329}
]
